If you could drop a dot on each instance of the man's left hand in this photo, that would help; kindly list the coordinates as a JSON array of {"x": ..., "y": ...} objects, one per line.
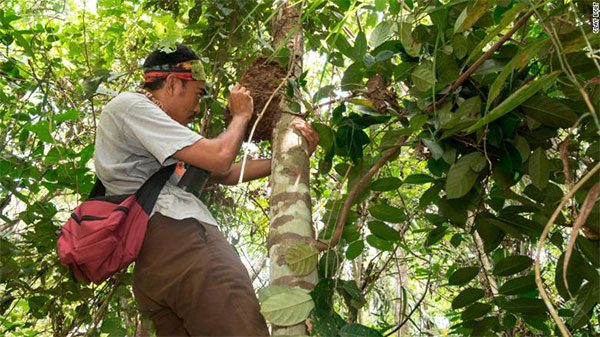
[{"x": 311, "y": 136}]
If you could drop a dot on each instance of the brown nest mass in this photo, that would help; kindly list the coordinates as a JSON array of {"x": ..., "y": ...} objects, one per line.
[
  {"x": 262, "y": 78},
  {"x": 382, "y": 97}
]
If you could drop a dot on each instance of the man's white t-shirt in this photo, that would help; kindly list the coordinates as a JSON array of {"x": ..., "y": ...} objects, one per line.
[{"x": 134, "y": 139}]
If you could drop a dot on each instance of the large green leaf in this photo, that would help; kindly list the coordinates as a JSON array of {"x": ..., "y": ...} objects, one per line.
[
  {"x": 491, "y": 235},
  {"x": 518, "y": 285},
  {"x": 515, "y": 99},
  {"x": 301, "y": 258},
  {"x": 386, "y": 184},
  {"x": 475, "y": 310},
  {"x": 539, "y": 169},
  {"x": 287, "y": 308},
  {"x": 387, "y": 213},
  {"x": 549, "y": 111},
  {"x": 358, "y": 330},
  {"x": 360, "y": 47},
  {"x": 380, "y": 244},
  {"x": 585, "y": 301},
  {"x": 271, "y": 290},
  {"x": 467, "y": 297},
  {"x": 512, "y": 265},
  {"x": 516, "y": 62},
  {"x": 355, "y": 249},
  {"x": 463, "y": 275},
  {"x": 590, "y": 249},
  {"x": 423, "y": 77},
  {"x": 411, "y": 46},
  {"x": 461, "y": 176},
  {"x": 470, "y": 15},
  {"x": 381, "y": 33},
  {"x": 383, "y": 231},
  {"x": 42, "y": 129},
  {"x": 418, "y": 179},
  {"x": 352, "y": 78},
  {"x": 526, "y": 306},
  {"x": 113, "y": 327},
  {"x": 574, "y": 275}
]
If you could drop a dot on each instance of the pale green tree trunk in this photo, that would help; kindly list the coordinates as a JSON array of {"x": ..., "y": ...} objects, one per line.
[{"x": 290, "y": 205}]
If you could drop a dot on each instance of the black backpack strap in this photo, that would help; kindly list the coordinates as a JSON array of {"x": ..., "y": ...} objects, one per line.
[
  {"x": 148, "y": 193},
  {"x": 98, "y": 190}
]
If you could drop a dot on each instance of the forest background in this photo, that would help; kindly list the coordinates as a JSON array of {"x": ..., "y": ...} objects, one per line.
[{"x": 459, "y": 151}]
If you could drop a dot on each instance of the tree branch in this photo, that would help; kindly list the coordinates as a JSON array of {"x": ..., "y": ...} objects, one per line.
[
  {"x": 353, "y": 194},
  {"x": 538, "y": 275},
  {"x": 464, "y": 76}
]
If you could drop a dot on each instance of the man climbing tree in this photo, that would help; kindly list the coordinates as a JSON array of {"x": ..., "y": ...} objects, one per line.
[{"x": 187, "y": 278}]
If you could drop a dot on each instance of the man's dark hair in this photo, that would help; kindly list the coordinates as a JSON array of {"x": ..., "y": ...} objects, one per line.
[{"x": 182, "y": 53}]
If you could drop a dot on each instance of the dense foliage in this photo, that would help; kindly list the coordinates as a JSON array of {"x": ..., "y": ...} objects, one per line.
[{"x": 485, "y": 114}]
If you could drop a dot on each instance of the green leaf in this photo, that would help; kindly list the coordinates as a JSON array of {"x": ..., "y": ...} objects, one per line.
[
  {"x": 467, "y": 297},
  {"x": 435, "y": 235},
  {"x": 355, "y": 249},
  {"x": 358, "y": 330},
  {"x": 461, "y": 176},
  {"x": 269, "y": 291},
  {"x": 459, "y": 46},
  {"x": 352, "y": 78},
  {"x": 301, "y": 258},
  {"x": 419, "y": 179},
  {"x": 329, "y": 264},
  {"x": 69, "y": 115},
  {"x": 478, "y": 163},
  {"x": 470, "y": 15},
  {"x": 380, "y": 244},
  {"x": 383, "y": 231},
  {"x": 549, "y": 111},
  {"x": 518, "y": 285},
  {"x": 360, "y": 47},
  {"x": 590, "y": 249},
  {"x": 326, "y": 136},
  {"x": 585, "y": 301},
  {"x": 287, "y": 308},
  {"x": 507, "y": 19},
  {"x": 523, "y": 147},
  {"x": 463, "y": 275},
  {"x": 515, "y": 99},
  {"x": 574, "y": 275},
  {"x": 386, "y": 184},
  {"x": 475, "y": 310},
  {"x": 387, "y": 213},
  {"x": 436, "y": 150},
  {"x": 512, "y": 265},
  {"x": 526, "y": 306},
  {"x": 423, "y": 77},
  {"x": 42, "y": 130},
  {"x": 113, "y": 327},
  {"x": 539, "y": 169},
  {"x": 411, "y": 46},
  {"x": 381, "y": 33},
  {"x": 491, "y": 235}
]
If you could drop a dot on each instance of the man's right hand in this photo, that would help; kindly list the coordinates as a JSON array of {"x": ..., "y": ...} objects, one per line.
[{"x": 240, "y": 102}]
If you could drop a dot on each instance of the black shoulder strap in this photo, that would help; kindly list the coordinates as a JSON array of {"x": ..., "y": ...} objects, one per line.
[
  {"x": 98, "y": 190},
  {"x": 148, "y": 193}
]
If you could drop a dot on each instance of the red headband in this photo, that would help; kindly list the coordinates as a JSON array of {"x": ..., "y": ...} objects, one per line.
[{"x": 154, "y": 76}]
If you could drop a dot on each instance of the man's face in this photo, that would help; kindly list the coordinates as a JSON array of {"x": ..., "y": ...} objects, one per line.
[{"x": 185, "y": 100}]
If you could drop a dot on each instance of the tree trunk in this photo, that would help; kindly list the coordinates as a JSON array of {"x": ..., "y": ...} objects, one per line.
[{"x": 290, "y": 205}]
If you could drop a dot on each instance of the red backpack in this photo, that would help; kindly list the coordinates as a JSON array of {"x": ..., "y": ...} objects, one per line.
[{"x": 105, "y": 233}]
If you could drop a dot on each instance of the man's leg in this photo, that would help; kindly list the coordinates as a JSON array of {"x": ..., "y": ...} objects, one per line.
[{"x": 188, "y": 269}]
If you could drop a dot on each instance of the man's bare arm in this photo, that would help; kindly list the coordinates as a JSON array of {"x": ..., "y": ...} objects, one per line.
[
  {"x": 255, "y": 169},
  {"x": 218, "y": 154}
]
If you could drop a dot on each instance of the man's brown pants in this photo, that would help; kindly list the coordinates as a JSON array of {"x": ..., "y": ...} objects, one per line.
[{"x": 190, "y": 282}]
